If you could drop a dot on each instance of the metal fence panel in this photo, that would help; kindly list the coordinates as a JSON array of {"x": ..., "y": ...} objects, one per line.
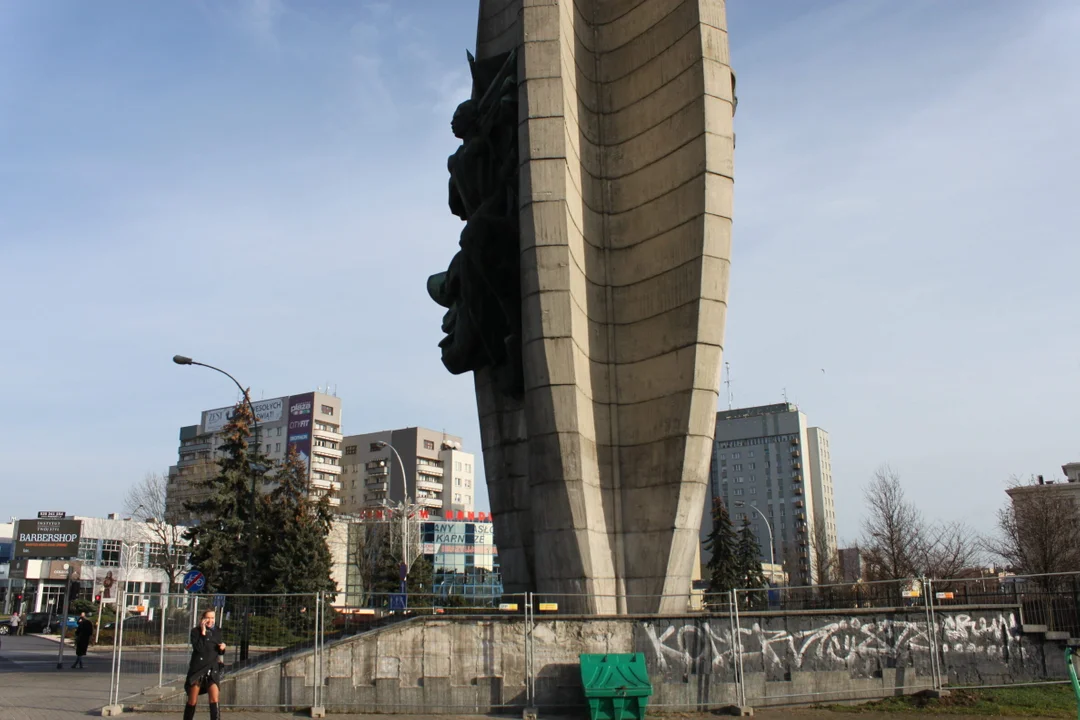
[{"x": 427, "y": 654}]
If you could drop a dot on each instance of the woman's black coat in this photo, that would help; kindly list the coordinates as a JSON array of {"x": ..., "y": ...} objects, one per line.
[{"x": 204, "y": 657}]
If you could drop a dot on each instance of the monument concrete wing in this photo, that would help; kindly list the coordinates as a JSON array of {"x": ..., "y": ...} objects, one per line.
[{"x": 589, "y": 294}]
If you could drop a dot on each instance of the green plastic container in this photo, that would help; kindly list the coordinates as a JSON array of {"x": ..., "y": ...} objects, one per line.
[{"x": 617, "y": 687}]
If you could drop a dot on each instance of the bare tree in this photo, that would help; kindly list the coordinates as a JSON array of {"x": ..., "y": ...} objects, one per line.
[
  {"x": 894, "y": 532},
  {"x": 1037, "y": 530},
  {"x": 145, "y": 501},
  {"x": 826, "y": 561},
  {"x": 950, "y": 548}
]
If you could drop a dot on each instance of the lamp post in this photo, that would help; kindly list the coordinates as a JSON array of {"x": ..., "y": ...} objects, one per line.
[
  {"x": 68, "y": 567},
  {"x": 182, "y": 360},
  {"x": 404, "y": 509},
  {"x": 772, "y": 556}
]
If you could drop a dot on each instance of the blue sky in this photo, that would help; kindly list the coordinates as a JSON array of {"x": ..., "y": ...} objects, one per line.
[{"x": 262, "y": 186}]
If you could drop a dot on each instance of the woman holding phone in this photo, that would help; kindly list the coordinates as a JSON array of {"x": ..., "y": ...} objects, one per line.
[{"x": 204, "y": 670}]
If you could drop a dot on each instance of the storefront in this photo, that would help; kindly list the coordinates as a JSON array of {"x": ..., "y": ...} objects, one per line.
[{"x": 463, "y": 556}]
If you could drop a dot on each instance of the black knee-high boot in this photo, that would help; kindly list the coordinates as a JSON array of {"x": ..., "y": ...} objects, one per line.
[
  {"x": 189, "y": 712},
  {"x": 215, "y": 714}
]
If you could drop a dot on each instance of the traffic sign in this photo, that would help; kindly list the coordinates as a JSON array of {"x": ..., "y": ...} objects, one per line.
[
  {"x": 219, "y": 601},
  {"x": 194, "y": 581},
  {"x": 398, "y": 601}
]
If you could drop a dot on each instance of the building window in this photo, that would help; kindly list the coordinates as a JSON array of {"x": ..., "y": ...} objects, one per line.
[
  {"x": 457, "y": 465},
  {"x": 738, "y": 491},
  {"x": 328, "y": 410},
  {"x": 110, "y": 553},
  {"x": 753, "y": 491},
  {"x": 750, "y": 454},
  {"x": 429, "y": 444},
  {"x": 468, "y": 498},
  {"x": 457, "y": 482},
  {"x": 374, "y": 447},
  {"x": 468, "y": 483},
  {"x": 350, "y": 449},
  {"x": 468, "y": 467},
  {"x": 735, "y": 456},
  {"x": 277, "y": 447},
  {"x": 88, "y": 549},
  {"x": 738, "y": 466}
]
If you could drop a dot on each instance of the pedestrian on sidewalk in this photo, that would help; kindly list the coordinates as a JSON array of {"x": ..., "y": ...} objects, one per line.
[
  {"x": 14, "y": 621},
  {"x": 206, "y": 666},
  {"x": 83, "y": 632}
]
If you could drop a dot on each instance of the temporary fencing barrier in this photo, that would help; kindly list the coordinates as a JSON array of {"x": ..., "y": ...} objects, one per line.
[{"x": 768, "y": 646}]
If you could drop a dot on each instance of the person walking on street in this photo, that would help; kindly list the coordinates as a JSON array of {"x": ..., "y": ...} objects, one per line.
[
  {"x": 83, "y": 632},
  {"x": 206, "y": 666},
  {"x": 15, "y": 622}
]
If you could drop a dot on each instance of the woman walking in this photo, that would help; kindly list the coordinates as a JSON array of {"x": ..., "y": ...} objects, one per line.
[{"x": 204, "y": 670}]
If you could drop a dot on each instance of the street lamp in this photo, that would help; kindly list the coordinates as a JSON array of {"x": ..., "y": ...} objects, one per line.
[
  {"x": 772, "y": 557},
  {"x": 183, "y": 360},
  {"x": 404, "y": 506}
]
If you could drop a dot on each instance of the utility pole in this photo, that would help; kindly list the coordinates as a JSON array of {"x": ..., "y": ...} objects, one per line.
[{"x": 69, "y": 566}]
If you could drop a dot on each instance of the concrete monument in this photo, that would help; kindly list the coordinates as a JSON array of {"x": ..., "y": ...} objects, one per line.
[{"x": 589, "y": 293}]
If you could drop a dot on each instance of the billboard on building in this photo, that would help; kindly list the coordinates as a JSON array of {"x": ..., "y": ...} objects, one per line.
[
  {"x": 300, "y": 425},
  {"x": 47, "y": 538},
  {"x": 266, "y": 411}
]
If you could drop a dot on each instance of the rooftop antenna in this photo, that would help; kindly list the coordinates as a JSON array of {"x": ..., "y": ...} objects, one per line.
[
  {"x": 730, "y": 397},
  {"x": 785, "y": 396}
]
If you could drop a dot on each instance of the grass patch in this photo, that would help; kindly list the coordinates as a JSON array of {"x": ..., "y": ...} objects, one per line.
[{"x": 1057, "y": 701}]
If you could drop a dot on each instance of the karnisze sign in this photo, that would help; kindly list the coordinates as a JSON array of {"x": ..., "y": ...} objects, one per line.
[
  {"x": 47, "y": 538},
  {"x": 265, "y": 411}
]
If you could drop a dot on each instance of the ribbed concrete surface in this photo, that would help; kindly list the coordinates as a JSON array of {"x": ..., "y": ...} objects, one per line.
[{"x": 597, "y": 479}]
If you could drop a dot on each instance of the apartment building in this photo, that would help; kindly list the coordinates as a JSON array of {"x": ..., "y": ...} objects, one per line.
[
  {"x": 769, "y": 464},
  {"x": 438, "y": 474},
  {"x": 309, "y": 422}
]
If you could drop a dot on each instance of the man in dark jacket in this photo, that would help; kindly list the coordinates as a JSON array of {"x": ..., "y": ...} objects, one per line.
[{"x": 83, "y": 632}]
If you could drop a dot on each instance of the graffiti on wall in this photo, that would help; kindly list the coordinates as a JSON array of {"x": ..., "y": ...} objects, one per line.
[{"x": 709, "y": 646}]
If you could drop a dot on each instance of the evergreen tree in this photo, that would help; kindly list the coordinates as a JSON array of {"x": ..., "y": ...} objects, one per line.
[
  {"x": 297, "y": 558},
  {"x": 722, "y": 543},
  {"x": 748, "y": 559},
  {"x": 229, "y": 525}
]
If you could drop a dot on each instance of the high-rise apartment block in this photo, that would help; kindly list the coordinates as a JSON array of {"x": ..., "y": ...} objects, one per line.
[
  {"x": 438, "y": 475},
  {"x": 309, "y": 422},
  {"x": 767, "y": 458}
]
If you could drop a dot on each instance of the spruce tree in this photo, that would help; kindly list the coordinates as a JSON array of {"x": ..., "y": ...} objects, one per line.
[
  {"x": 297, "y": 557},
  {"x": 748, "y": 560},
  {"x": 229, "y": 523},
  {"x": 722, "y": 543}
]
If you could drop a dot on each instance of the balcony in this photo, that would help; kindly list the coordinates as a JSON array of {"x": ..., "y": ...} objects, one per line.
[
  {"x": 378, "y": 483},
  {"x": 428, "y": 470},
  {"x": 796, "y": 453},
  {"x": 326, "y": 467},
  {"x": 331, "y": 452},
  {"x": 327, "y": 434},
  {"x": 379, "y": 470},
  {"x": 325, "y": 484},
  {"x": 423, "y": 484},
  {"x": 432, "y": 502}
]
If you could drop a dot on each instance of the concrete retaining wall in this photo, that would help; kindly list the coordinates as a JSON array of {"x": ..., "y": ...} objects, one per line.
[{"x": 459, "y": 665}]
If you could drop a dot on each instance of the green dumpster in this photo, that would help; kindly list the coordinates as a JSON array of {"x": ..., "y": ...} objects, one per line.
[{"x": 617, "y": 687}]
